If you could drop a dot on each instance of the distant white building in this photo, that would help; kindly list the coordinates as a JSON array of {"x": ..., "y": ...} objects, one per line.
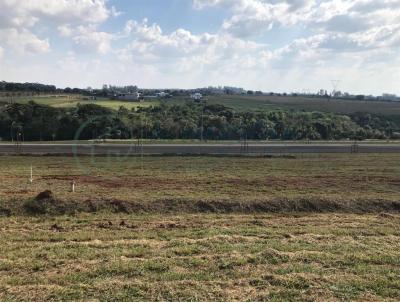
[
  {"x": 133, "y": 97},
  {"x": 196, "y": 96},
  {"x": 161, "y": 94}
]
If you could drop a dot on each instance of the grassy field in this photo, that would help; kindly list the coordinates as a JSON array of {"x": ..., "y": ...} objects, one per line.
[
  {"x": 244, "y": 102},
  {"x": 151, "y": 179},
  {"x": 307, "y": 104},
  {"x": 306, "y": 228},
  {"x": 115, "y": 257},
  {"x": 72, "y": 101}
]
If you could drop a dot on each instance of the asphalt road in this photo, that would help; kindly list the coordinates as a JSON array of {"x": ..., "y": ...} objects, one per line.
[{"x": 194, "y": 149}]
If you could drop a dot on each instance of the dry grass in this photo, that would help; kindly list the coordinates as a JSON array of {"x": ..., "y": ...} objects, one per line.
[
  {"x": 193, "y": 179},
  {"x": 108, "y": 256},
  {"x": 114, "y": 257}
]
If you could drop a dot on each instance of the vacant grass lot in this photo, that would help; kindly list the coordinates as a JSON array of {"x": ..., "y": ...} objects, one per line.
[{"x": 178, "y": 253}]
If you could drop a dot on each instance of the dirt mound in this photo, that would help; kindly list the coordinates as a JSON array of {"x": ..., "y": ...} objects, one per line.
[
  {"x": 44, "y": 195},
  {"x": 283, "y": 205},
  {"x": 53, "y": 206},
  {"x": 46, "y": 203}
]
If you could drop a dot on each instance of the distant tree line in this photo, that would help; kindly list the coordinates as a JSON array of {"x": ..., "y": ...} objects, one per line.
[
  {"x": 31, "y": 87},
  {"x": 187, "y": 121},
  {"x": 10, "y": 87}
]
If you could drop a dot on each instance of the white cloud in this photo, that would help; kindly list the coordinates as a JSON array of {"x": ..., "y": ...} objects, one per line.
[
  {"x": 345, "y": 23},
  {"x": 190, "y": 56},
  {"x": 65, "y": 30},
  {"x": 85, "y": 11},
  {"x": 13, "y": 14},
  {"x": 87, "y": 39},
  {"x": 19, "y": 21},
  {"x": 1, "y": 52},
  {"x": 23, "y": 41},
  {"x": 343, "y": 36},
  {"x": 300, "y": 4},
  {"x": 16, "y": 13},
  {"x": 149, "y": 42},
  {"x": 70, "y": 63},
  {"x": 114, "y": 12},
  {"x": 254, "y": 17}
]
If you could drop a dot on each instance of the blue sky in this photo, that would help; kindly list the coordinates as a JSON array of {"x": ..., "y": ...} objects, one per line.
[
  {"x": 169, "y": 14},
  {"x": 269, "y": 45}
]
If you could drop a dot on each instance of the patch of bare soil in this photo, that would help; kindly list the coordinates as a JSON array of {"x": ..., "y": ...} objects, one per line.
[
  {"x": 17, "y": 192},
  {"x": 124, "y": 182},
  {"x": 273, "y": 182}
]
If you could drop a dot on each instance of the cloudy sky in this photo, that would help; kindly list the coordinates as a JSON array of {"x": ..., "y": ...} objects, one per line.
[{"x": 271, "y": 45}]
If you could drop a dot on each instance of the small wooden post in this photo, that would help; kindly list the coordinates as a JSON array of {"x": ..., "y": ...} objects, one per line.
[
  {"x": 31, "y": 179},
  {"x": 73, "y": 186}
]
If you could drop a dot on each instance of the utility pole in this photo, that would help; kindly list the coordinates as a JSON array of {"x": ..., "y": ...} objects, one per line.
[
  {"x": 19, "y": 139},
  {"x": 141, "y": 144},
  {"x": 354, "y": 147},
  {"x": 202, "y": 122},
  {"x": 245, "y": 144},
  {"x": 202, "y": 126},
  {"x": 11, "y": 131}
]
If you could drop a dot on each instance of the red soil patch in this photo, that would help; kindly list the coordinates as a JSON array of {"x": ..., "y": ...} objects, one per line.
[{"x": 273, "y": 182}]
